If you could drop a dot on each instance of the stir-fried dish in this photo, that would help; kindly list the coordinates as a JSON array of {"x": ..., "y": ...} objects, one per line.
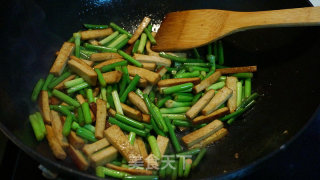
[{"x": 111, "y": 103}]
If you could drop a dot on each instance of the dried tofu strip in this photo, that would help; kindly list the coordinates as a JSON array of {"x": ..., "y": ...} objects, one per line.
[
  {"x": 210, "y": 117},
  {"x": 104, "y": 156},
  {"x": 131, "y": 112},
  {"x": 139, "y": 30},
  {"x": 146, "y": 118},
  {"x": 142, "y": 147},
  {"x": 62, "y": 58},
  {"x": 138, "y": 101},
  {"x": 57, "y": 129},
  {"x": 162, "y": 143},
  {"x": 104, "y": 56},
  {"x": 78, "y": 158},
  {"x": 150, "y": 76},
  {"x": 207, "y": 82},
  {"x": 221, "y": 97},
  {"x": 94, "y": 42},
  {"x": 44, "y": 106},
  {"x": 237, "y": 69},
  {"x": 90, "y": 63},
  {"x": 149, "y": 50},
  {"x": 211, "y": 139},
  {"x": 177, "y": 81},
  {"x": 83, "y": 69},
  {"x": 112, "y": 112},
  {"x": 112, "y": 77},
  {"x": 89, "y": 149},
  {"x": 75, "y": 140},
  {"x": 130, "y": 170},
  {"x": 101, "y": 118},
  {"x": 197, "y": 107},
  {"x": 160, "y": 61},
  {"x": 107, "y": 62},
  {"x": 95, "y": 34},
  {"x": 117, "y": 138},
  {"x": 231, "y": 83},
  {"x": 55, "y": 146},
  {"x": 149, "y": 66},
  {"x": 202, "y": 133}
]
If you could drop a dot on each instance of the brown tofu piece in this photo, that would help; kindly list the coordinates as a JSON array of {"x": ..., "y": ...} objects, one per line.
[
  {"x": 78, "y": 158},
  {"x": 112, "y": 112},
  {"x": 62, "y": 58},
  {"x": 149, "y": 66},
  {"x": 89, "y": 149},
  {"x": 211, "y": 139},
  {"x": 142, "y": 147},
  {"x": 202, "y": 133},
  {"x": 232, "y": 70},
  {"x": 117, "y": 138},
  {"x": 44, "y": 106},
  {"x": 61, "y": 84},
  {"x": 54, "y": 101},
  {"x": 146, "y": 118},
  {"x": 57, "y": 128},
  {"x": 83, "y": 69},
  {"x": 138, "y": 101},
  {"x": 160, "y": 61},
  {"x": 104, "y": 56},
  {"x": 131, "y": 112},
  {"x": 198, "y": 106},
  {"x": 207, "y": 82},
  {"x": 221, "y": 97},
  {"x": 95, "y": 34},
  {"x": 210, "y": 117},
  {"x": 90, "y": 63},
  {"x": 142, "y": 82},
  {"x": 101, "y": 118},
  {"x": 55, "y": 146},
  {"x": 177, "y": 81},
  {"x": 231, "y": 83},
  {"x": 75, "y": 140},
  {"x": 107, "y": 62},
  {"x": 139, "y": 30},
  {"x": 94, "y": 42},
  {"x": 104, "y": 156},
  {"x": 112, "y": 77},
  {"x": 130, "y": 170},
  {"x": 150, "y": 76},
  {"x": 162, "y": 143}
]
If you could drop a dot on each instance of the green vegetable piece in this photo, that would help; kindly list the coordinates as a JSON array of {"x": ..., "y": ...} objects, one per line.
[
  {"x": 129, "y": 58},
  {"x": 86, "y": 113},
  {"x": 36, "y": 90},
  {"x": 118, "y": 28},
  {"x": 67, "y": 126},
  {"x": 65, "y": 98}
]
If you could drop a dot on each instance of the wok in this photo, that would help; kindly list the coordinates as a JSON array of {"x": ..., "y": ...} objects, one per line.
[{"x": 287, "y": 59}]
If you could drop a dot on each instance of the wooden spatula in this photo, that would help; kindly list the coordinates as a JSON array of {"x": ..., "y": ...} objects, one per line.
[{"x": 193, "y": 28}]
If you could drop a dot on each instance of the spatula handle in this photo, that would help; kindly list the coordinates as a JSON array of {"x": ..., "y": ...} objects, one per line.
[{"x": 277, "y": 18}]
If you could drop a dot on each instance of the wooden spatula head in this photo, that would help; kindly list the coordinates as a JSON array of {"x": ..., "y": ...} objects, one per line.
[{"x": 190, "y": 29}]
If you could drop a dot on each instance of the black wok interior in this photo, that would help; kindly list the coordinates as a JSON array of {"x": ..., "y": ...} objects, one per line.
[{"x": 287, "y": 77}]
